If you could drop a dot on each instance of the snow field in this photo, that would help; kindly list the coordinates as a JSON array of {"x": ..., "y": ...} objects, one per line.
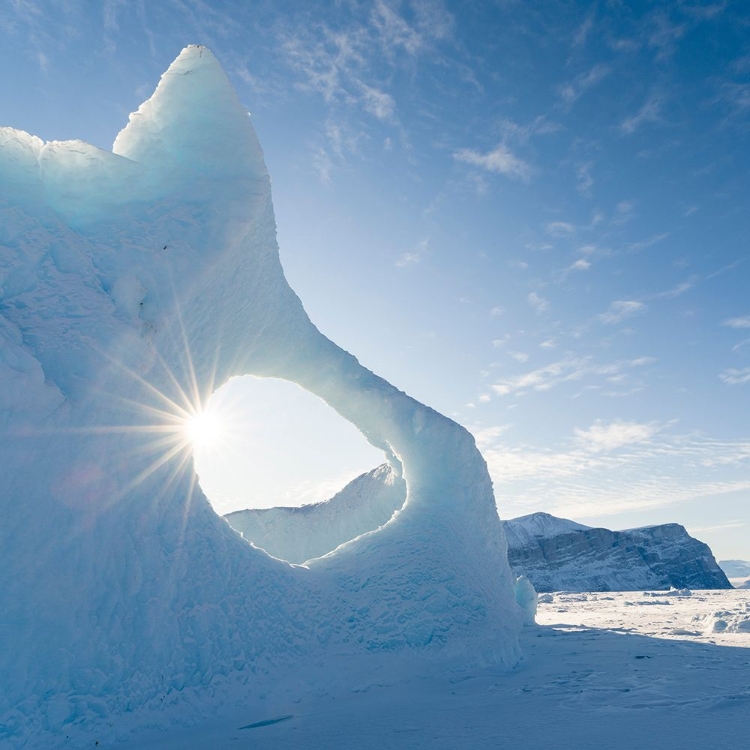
[{"x": 602, "y": 672}]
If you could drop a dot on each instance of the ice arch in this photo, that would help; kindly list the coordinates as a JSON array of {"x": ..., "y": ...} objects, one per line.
[{"x": 133, "y": 283}]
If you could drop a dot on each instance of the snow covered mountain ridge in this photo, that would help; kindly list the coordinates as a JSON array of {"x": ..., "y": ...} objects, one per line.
[{"x": 554, "y": 553}]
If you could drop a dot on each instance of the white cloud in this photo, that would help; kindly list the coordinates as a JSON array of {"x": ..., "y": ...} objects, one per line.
[
  {"x": 496, "y": 311},
  {"x": 736, "y": 524},
  {"x": 323, "y": 165},
  {"x": 560, "y": 229},
  {"x": 608, "y": 437},
  {"x": 636, "y": 247},
  {"x": 486, "y": 436},
  {"x": 413, "y": 257},
  {"x": 432, "y": 23},
  {"x": 621, "y": 309},
  {"x": 378, "y": 103},
  {"x": 588, "y": 249},
  {"x": 580, "y": 265},
  {"x": 584, "y": 29},
  {"x": 584, "y": 180},
  {"x": 733, "y": 376},
  {"x": 500, "y": 161},
  {"x": 566, "y": 370},
  {"x": 675, "y": 291},
  {"x": 538, "y": 303},
  {"x": 650, "y": 112},
  {"x": 519, "y": 356},
  {"x": 570, "y": 92},
  {"x": 614, "y": 470},
  {"x": 499, "y": 343},
  {"x": 743, "y": 322}
]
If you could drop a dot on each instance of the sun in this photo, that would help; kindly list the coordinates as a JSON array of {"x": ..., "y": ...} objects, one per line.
[{"x": 204, "y": 429}]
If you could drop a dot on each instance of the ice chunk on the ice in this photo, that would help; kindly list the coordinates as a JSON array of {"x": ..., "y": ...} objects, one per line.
[{"x": 526, "y": 598}]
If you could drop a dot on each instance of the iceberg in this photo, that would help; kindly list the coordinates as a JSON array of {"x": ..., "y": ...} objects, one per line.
[{"x": 133, "y": 283}]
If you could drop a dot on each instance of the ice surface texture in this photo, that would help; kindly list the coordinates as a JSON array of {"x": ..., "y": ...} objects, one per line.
[{"x": 132, "y": 284}]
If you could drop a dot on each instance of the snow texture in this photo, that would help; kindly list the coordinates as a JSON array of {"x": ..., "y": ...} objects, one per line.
[
  {"x": 597, "y": 673},
  {"x": 133, "y": 283}
]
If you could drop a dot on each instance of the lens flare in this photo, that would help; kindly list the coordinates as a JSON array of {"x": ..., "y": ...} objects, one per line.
[{"x": 204, "y": 429}]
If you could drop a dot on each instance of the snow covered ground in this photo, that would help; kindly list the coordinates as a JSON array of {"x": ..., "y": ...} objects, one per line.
[{"x": 602, "y": 670}]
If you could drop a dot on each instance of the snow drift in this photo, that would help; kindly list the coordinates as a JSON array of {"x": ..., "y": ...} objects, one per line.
[{"x": 132, "y": 284}]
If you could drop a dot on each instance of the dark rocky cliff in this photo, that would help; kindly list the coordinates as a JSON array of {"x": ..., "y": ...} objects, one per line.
[{"x": 571, "y": 557}]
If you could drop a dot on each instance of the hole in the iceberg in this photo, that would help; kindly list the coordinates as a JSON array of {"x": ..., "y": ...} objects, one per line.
[{"x": 269, "y": 455}]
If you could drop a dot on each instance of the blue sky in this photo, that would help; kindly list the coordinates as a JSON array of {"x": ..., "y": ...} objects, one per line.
[{"x": 531, "y": 216}]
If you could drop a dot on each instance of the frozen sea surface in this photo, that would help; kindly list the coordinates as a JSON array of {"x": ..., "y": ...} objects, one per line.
[{"x": 619, "y": 670}]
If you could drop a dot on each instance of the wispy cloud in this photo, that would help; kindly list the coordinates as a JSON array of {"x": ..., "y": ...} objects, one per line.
[
  {"x": 734, "y": 376},
  {"x": 622, "y": 309},
  {"x": 570, "y": 92},
  {"x": 540, "y": 304},
  {"x": 675, "y": 291},
  {"x": 377, "y": 102},
  {"x": 580, "y": 265},
  {"x": 570, "y": 369},
  {"x": 650, "y": 112},
  {"x": 323, "y": 164},
  {"x": 613, "y": 467},
  {"x": 735, "y": 524},
  {"x": 741, "y": 322},
  {"x": 519, "y": 356},
  {"x": 500, "y": 161},
  {"x": 583, "y": 31},
  {"x": 664, "y": 34},
  {"x": 607, "y": 437},
  {"x": 414, "y": 256},
  {"x": 560, "y": 229},
  {"x": 636, "y": 247},
  {"x": 584, "y": 179}
]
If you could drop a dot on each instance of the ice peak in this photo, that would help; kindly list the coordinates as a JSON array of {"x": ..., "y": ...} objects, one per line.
[{"x": 194, "y": 121}]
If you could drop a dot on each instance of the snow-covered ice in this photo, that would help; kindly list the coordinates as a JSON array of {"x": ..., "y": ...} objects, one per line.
[
  {"x": 598, "y": 672},
  {"x": 133, "y": 283}
]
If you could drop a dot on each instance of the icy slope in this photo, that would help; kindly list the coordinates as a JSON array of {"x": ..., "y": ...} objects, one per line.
[
  {"x": 568, "y": 556},
  {"x": 132, "y": 284},
  {"x": 299, "y": 534}
]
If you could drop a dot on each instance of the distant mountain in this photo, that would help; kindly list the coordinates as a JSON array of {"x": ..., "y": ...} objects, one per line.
[
  {"x": 554, "y": 553},
  {"x": 735, "y": 568},
  {"x": 557, "y": 554}
]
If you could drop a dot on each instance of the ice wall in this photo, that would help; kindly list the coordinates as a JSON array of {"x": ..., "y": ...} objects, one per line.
[{"x": 132, "y": 284}]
